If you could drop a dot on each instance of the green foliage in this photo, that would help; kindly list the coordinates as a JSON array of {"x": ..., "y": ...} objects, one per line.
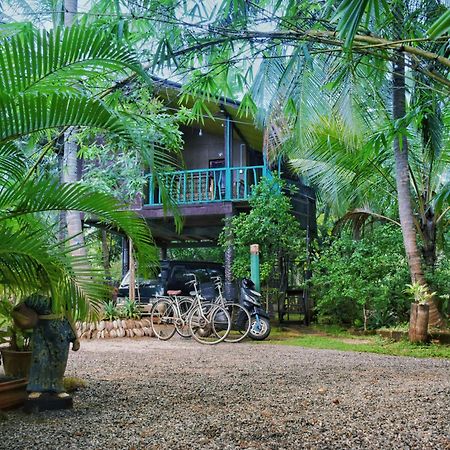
[
  {"x": 350, "y": 276},
  {"x": 113, "y": 167},
  {"x": 130, "y": 310},
  {"x": 441, "y": 26},
  {"x": 271, "y": 224},
  {"x": 212, "y": 254},
  {"x": 111, "y": 312},
  {"x": 18, "y": 339},
  {"x": 439, "y": 281},
  {"x": 45, "y": 83},
  {"x": 419, "y": 293}
]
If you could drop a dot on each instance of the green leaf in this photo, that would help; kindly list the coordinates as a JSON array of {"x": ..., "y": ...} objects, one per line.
[
  {"x": 40, "y": 60},
  {"x": 349, "y": 16},
  {"x": 441, "y": 26}
]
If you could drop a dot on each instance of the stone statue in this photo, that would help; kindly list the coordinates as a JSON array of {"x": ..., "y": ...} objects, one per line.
[{"x": 51, "y": 339}]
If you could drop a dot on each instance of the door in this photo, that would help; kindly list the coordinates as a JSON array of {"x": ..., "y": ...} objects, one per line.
[{"x": 217, "y": 179}]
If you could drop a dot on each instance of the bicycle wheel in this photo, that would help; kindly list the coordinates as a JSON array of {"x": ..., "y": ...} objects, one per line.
[
  {"x": 240, "y": 322},
  {"x": 209, "y": 323},
  {"x": 182, "y": 324},
  {"x": 163, "y": 319}
]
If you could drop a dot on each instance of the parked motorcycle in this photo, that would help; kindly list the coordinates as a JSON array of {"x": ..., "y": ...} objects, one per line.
[{"x": 250, "y": 299}]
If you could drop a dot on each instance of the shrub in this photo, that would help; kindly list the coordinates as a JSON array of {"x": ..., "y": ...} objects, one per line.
[
  {"x": 111, "y": 311},
  {"x": 130, "y": 310},
  {"x": 362, "y": 281},
  {"x": 271, "y": 224},
  {"x": 439, "y": 281}
]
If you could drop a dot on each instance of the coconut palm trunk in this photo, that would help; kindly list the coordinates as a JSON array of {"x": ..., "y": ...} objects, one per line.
[
  {"x": 403, "y": 184},
  {"x": 70, "y": 160}
]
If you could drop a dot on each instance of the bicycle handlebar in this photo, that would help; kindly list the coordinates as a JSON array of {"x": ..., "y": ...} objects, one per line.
[{"x": 193, "y": 281}]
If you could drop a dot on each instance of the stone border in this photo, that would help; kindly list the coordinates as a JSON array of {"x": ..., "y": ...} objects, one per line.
[
  {"x": 106, "y": 329},
  {"x": 442, "y": 338}
]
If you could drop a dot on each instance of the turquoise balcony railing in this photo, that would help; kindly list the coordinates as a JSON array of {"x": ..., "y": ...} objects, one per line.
[{"x": 207, "y": 185}]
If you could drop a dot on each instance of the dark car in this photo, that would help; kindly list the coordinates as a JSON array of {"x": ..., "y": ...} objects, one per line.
[{"x": 172, "y": 277}]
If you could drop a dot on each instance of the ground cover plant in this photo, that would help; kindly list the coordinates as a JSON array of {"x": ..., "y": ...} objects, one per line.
[{"x": 335, "y": 338}]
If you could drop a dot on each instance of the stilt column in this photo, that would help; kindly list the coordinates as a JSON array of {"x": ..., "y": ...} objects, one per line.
[
  {"x": 228, "y": 257},
  {"x": 163, "y": 252}
]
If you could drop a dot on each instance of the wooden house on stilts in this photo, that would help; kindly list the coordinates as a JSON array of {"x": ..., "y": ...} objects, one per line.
[{"x": 223, "y": 160}]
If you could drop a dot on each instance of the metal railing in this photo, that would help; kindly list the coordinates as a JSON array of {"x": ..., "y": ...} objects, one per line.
[{"x": 206, "y": 185}]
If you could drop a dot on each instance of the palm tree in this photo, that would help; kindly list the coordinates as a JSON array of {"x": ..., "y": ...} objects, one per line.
[
  {"x": 31, "y": 256},
  {"x": 330, "y": 147},
  {"x": 44, "y": 87},
  {"x": 351, "y": 14}
]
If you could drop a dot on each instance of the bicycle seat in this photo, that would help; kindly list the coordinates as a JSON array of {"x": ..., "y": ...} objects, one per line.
[{"x": 174, "y": 292}]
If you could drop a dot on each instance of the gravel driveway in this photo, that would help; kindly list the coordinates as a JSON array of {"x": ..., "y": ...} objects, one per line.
[{"x": 146, "y": 394}]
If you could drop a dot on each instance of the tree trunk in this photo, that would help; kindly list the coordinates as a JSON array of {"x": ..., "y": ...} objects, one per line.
[
  {"x": 132, "y": 282},
  {"x": 428, "y": 218},
  {"x": 228, "y": 259},
  {"x": 105, "y": 254},
  {"x": 403, "y": 184},
  {"x": 418, "y": 323},
  {"x": 70, "y": 162},
  {"x": 428, "y": 227},
  {"x": 70, "y": 175}
]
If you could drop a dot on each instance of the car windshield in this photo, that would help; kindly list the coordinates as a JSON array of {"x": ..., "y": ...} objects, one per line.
[{"x": 126, "y": 280}]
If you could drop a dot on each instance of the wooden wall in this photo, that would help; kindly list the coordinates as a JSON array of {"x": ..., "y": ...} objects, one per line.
[{"x": 199, "y": 150}]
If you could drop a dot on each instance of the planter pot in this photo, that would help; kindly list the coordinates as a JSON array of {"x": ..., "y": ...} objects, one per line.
[
  {"x": 12, "y": 393},
  {"x": 16, "y": 364}
]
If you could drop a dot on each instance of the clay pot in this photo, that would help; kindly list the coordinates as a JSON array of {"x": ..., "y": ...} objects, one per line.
[
  {"x": 12, "y": 393},
  {"x": 16, "y": 364}
]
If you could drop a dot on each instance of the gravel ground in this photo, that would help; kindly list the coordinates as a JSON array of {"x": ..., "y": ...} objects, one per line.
[{"x": 146, "y": 394}]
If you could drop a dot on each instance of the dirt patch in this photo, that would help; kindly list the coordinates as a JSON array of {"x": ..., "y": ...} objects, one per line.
[
  {"x": 148, "y": 394},
  {"x": 355, "y": 341}
]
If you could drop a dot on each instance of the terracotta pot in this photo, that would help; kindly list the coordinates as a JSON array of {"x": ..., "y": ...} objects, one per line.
[
  {"x": 13, "y": 393},
  {"x": 16, "y": 364}
]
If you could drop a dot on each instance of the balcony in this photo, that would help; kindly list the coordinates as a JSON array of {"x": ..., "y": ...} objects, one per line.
[{"x": 207, "y": 185}]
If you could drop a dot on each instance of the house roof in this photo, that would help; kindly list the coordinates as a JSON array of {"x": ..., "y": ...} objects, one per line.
[{"x": 170, "y": 92}]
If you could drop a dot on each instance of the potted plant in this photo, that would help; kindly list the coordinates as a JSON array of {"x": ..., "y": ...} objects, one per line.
[{"x": 16, "y": 355}]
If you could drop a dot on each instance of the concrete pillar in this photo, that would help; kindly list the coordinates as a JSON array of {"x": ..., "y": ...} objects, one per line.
[
  {"x": 163, "y": 252},
  {"x": 228, "y": 262},
  {"x": 254, "y": 265}
]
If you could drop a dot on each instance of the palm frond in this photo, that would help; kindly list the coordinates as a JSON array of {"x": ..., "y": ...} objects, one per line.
[
  {"x": 31, "y": 261},
  {"x": 12, "y": 164},
  {"x": 359, "y": 217},
  {"x": 41, "y": 60},
  {"x": 441, "y": 26},
  {"x": 46, "y": 194},
  {"x": 24, "y": 114}
]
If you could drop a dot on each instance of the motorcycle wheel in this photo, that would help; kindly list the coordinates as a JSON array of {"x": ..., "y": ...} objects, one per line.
[{"x": 263, "y": 331}]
